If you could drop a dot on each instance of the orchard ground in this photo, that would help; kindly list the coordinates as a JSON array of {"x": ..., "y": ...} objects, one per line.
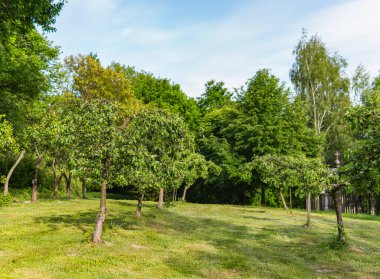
[{"x": 49, "y": 239}]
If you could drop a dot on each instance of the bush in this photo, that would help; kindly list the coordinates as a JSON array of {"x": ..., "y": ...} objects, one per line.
[
  {"x": 335, "y": 244},
  {"x": 5, "y": 199}
]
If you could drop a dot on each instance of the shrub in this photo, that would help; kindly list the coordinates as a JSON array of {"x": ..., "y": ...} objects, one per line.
[{"x": 5, "y": 199}]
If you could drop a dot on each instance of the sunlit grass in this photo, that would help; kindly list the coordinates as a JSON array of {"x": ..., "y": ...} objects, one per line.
[{"x": 48, "y": 240}]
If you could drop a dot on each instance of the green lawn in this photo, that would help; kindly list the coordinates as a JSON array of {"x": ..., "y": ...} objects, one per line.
[{"x": 48, "y": 240}]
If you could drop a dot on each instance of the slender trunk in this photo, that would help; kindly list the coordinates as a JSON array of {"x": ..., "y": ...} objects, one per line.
[
  {"x": 161, "y": 198},
  {"x": 290, "y": 198},
  {"x": 6, "y": 185},
  {"x": 339, "y": 217},
  {"x": 262, "y": 196},
  {"x": 308, "y": 207},
  {"x": 283, "y": 201},
  {"x": 68, "y": 184},
  {"x": 57, "y": 182},
  {"x": 371, "y": 205},
  {"x": 97, "y": 236},
  {"x": 184, "y": 193},
  {"x": 317, "y": 208},
  {"x": 326, "y": 203},
  {"x": 84, "y": 184},
  {"x": 139, "y": 205},
  {"x": 35, "y": 179}
]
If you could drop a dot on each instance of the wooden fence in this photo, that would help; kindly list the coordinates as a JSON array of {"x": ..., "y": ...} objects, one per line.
[{"x": 352, "y": 203}]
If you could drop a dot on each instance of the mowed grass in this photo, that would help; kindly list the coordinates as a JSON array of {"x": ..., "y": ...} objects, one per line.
[{"x": 49, "y": 240}]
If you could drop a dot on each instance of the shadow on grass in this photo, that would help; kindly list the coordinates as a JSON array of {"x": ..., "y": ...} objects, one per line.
[{"x": 259, "y": 218}]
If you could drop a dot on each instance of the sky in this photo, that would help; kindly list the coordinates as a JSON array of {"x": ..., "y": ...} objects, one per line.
[{"x": 194, "y": 41}]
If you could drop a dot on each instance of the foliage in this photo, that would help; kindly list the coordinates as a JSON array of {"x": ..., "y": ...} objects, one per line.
[
  {"x": 282, "y": 172},
  {"x": 363, "y": 167},
  {"x": 215, "y": 96},
  {"x": 160, "y": 93},
  {"x": 93, "y": 135},
  {"x": 21, "y": 16},
  {"x": 190, "y": 167},
  {"x": 5, "y": 199},
  {"x": 7, "y": 140},
  {"x": 263, "y": 121},
  {"x": 152, "y": 143},
  {"x": 89, "y": 79},
  {"x": 318, "y": 78}
]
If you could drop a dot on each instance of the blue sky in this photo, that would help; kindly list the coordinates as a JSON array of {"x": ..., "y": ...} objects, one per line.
[{"x": 194, "y": 41}]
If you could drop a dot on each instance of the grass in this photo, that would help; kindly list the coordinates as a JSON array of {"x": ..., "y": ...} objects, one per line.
[{"x": 48, "y": 240}]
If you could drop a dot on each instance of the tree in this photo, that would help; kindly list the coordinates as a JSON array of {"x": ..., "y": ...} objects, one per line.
[
  {"x": 21, "y": 16},
  {"x": 216, "y": 142},
  {"x": 191, "y": 167},
  {"x": 96, "y": 143},
  {"x": 363, "y": 165},
  {"x": 318, "y": 78},
  {"x": 360, "y": 85},
  {"x": 215, "y": 96},
  {"x": 270, "y": 123},
  {"x": 154, "y": 140},
  {"x": 8, "y": 143},
  {"x": 89, "y": 79},
  {"x": 25, "y": 59},
  {"x": 307, "y": 175},
  {"x": 335, "y": 185}
]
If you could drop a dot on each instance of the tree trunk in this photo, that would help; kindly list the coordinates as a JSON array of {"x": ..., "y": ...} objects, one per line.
[
  {"x": 184, "y": 193},
  {"x": 290, "y": 199},
  {"x": 339, "y": 217},
  {"x": 84, "y": 185},
  {"x": 139, "y": 205},
  {"x": 68, "y": 184},
  {"x": 262, "y": 196},
  {"x": 308, "y": 207},
  {"x": 97, "y": 236},
  {"x": 161, "y": 198},
  {"x": 35, "y": 179},
  {"x": 371, "y": 204},
  {"x": 6, "y": 185},
  {"x": 57, "y": 182},
  {"x": 283, "y": 201}
]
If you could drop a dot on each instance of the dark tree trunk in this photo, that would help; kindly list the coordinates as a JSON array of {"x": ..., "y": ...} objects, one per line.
[
  {"x": 283, "y": 201},
  {"x": 263, "y": 196},
  {"x": 6, "y": 185},
  {"x": 57, "y": 182},
  {"x": 339, "y": 217},
  {"x": 35, "y": 179},
  {"x": 68, "y": 184},
  {"x": 290, "y": 198},
  {"x": 97, "y": 236},
  {"x": 184, "y": 193},
  {"x": 139, "y": 205},
  {"x": 161, "y": 198},
  {"x": 84, "y": 184},
  {"x": 308, "y": 207}
]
